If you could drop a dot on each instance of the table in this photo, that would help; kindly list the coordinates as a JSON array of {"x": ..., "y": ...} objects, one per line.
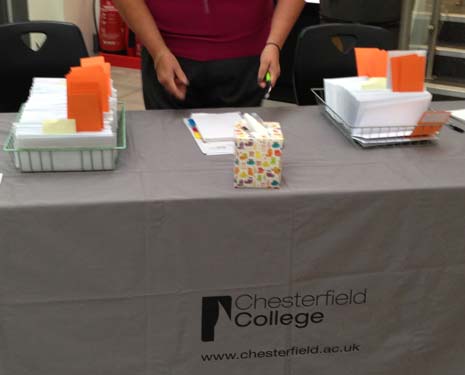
[{"x": 356, "y": 266}]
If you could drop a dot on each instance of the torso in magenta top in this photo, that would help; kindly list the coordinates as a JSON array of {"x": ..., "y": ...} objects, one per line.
[{"x": 213, "y": 29}]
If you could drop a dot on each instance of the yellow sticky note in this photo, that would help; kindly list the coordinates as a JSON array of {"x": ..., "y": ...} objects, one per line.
[
  {"x": 59, "y": 126},
  {"x": 377, "y": 83}
]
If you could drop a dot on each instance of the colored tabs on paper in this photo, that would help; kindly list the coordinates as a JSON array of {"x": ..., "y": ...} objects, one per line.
[
  {"x": 430, "y": 123},
  {"x": 195, "y": 131},
  {"x": 408, "y": 73},
  {"x": 371, "y": 62}
]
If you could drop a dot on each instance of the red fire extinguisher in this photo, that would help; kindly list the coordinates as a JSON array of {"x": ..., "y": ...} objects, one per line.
[{"x": 112, "y": 29}]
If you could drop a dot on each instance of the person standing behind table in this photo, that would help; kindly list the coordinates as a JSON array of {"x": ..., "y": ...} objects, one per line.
[{"x": 209, "y": 53}]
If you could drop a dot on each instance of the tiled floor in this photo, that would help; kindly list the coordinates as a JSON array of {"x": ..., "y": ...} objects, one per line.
[{"x": 128, "y": 84}]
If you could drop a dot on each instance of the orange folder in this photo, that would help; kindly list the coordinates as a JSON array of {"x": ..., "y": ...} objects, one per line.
[
  {"x": 92, "y": 60},
  {"x": 84, "y": 108},
  {"x": 98, "y": 60},
  {"x": 408, "y": 73},
  {"x": 430, "y": 123},
  {"x": 95, "y": 73},
  {"x": 371, "y": 62},
  {"x": 85, "y": 103}
]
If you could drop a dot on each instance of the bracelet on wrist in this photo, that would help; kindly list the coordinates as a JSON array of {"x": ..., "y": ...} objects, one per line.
[{"x": 273, "y": 44}]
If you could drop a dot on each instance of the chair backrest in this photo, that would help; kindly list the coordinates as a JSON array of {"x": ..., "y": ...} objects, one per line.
[
  {"x": 19, "y": 63},
  {"x": 327, "y": 51}
]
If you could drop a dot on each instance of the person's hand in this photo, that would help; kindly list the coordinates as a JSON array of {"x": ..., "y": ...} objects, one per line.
[
  {"x": 269, "y": 62},
  {"x": 171, "y": 75}
]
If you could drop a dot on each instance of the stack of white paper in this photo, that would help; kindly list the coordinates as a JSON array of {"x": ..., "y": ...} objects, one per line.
[
  {"x": 48, "y": 101},
  {"x": 216, "y": 127},
  {"x": 366, "y": 111}
]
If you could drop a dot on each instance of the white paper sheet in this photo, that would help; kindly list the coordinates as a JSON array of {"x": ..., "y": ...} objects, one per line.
[
  {"x": 374, "y": 108},
  {"x": 216, "y": 127},
  {"x": 459, "y": 115},
  {"x": 212, "y": 148}
]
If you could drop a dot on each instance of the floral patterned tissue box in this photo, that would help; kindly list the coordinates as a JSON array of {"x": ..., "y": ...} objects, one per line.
[{"x": 257, "y": 162}]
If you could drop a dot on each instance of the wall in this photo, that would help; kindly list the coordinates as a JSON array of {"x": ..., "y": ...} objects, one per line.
[
  {"x": 46, "y": 9},
  {"x": 78, "y": 12}
]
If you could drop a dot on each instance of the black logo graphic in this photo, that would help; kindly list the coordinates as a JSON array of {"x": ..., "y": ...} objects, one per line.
[{"x": 211, "y": 312}]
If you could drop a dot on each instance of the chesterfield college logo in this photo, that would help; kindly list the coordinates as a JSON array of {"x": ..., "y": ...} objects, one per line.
[
  {"x": 211, "y": 312},
  {"x": 252, "y": 311}
]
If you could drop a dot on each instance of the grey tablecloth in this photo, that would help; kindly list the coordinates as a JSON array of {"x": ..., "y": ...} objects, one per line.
[{"x": 356, "y": 266}]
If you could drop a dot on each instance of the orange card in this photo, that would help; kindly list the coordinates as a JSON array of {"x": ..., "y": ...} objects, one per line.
[
  {"x": 85, "y": 109},
  {"x": 371, "y": 62},
  {"x": 396, "y": 74},
  {"x": 430, "y": 123},
  {"x": 84, "y": 103},
  {"x": 85, "y": 61},
  {"x": 408, "y": 73},
  {"x": 98, "y": 60},
  {"x": 94, "y": 73}
]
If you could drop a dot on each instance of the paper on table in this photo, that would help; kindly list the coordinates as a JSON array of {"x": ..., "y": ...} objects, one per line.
[
  {"x": 216, "y": 127},
  {"x": 458, "y": 114},
  {"x": 212, "y": 148}
]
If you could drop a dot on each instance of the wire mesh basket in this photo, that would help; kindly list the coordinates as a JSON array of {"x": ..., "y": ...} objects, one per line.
[
  {"x": 376, "y": 136},
  {"x": 59, "y": 159}
]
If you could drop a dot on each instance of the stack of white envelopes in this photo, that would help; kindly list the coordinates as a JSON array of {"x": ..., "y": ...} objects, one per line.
[
  {"x": 371, "y": 114},
  {"x": 64, "y": 149}
]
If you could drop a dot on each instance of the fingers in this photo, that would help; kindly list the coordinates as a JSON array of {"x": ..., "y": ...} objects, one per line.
[
  {"x": 171, "y": 76},
  {"x": 269, "y": 62},
  {"x": 176, "y": 89},
  {"x": 179, "y": 73},
  {"x": 264, "y": 67}
]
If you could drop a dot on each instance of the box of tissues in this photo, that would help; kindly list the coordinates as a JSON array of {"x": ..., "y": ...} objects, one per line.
[{"x": 258, "y": 151}]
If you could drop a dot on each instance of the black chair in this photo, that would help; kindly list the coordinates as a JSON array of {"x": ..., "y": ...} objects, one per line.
[
  {"x": 19, "y": 63},
  {"x": 327, "y": 51}
]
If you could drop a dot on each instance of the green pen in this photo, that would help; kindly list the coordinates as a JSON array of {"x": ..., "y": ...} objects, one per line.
[{"x": 268, "y": 84}]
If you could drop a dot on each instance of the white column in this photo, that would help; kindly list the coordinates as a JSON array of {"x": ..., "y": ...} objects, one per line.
[{"x": 81, "y": 13}]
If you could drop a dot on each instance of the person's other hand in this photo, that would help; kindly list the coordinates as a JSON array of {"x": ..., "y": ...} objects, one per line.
[
  {"x": 170, "y": 74},
  {"x": 269, "y": 62}
]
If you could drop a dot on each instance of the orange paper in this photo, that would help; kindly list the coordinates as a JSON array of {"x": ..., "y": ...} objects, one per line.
[
  {"x": 98, "y": 60},
  {"x": 84, "y": 107},
  {"x": 371, "y": 62},
  {"x": 94, "y": 73},
  {"x": 408, "y": 73},
  {"x": 84, "y": 103},
  {"x": 85, "y": 61},
  {"x": 430, "y": 123}
]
